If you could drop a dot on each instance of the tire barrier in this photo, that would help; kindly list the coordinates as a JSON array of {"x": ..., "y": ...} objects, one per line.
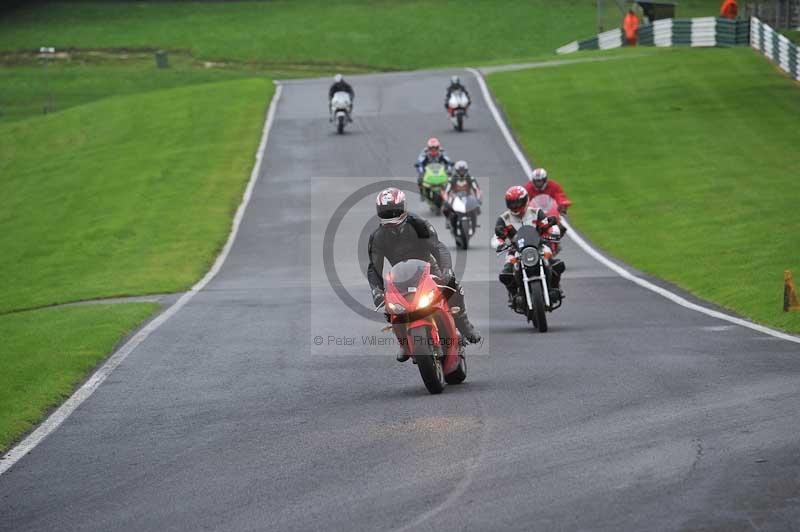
[
  {"x": 696, "y": 32},
  {"x": 778, "y": 49}
]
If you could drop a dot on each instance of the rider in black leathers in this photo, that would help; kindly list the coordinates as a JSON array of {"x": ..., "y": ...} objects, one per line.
[
  {"x": 340, "y": 85},
  {"x": 403, "y": 236},
  {"x": 455, "y": 85}
]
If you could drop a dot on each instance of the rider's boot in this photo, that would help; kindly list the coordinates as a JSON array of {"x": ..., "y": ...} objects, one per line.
[
  {"x": 467, "y": 330},
  {"x": 558, "y": 268},
  {"x": 507, "y": 274}
]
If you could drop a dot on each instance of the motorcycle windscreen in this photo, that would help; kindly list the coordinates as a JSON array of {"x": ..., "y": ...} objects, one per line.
[
  {"x": 406, "y": 275},
  {"x": 464, "y": 202},
  {"x": 544, "y": 202},
  {"x": 527, "y": 236},
  {"x": 435, "y": 174},
  {"x": 459, "y": 203}
]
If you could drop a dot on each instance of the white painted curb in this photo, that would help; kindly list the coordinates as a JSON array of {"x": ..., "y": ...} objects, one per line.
[
  {"x": 84, "y": 392},
  {"x": 622, "y": 272}
]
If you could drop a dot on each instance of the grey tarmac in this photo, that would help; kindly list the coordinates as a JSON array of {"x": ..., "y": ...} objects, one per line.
[{"x": 632, "y": 413}]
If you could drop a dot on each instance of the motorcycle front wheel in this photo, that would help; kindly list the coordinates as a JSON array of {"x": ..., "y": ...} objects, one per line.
[
  {"x": 430, "y": 367},
  {"x": 464, "y": 241},
  {"x": 539, "y": 314}
]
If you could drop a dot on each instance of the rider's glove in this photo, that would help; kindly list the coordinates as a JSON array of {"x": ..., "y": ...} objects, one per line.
[
  {"x": 448, "y": 276},
  {"x": 377, "y": 297}
]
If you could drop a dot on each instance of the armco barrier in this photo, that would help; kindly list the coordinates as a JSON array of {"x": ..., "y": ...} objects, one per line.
[
  {"x": 704, "y": 31},
  {"x": 776, "y": 47}
]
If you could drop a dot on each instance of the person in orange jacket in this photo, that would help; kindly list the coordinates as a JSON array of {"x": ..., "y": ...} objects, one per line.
[
  {"x": 631, "y": 26},
  {"x": 729, "y": 9}
]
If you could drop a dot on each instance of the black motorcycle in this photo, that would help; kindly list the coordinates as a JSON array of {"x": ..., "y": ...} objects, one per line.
[
  {"x": 463, "y": 209},
  {"x": 534, "y": 268}
]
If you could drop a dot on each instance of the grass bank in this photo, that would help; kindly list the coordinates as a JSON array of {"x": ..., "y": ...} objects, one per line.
[
  {"x": 124, "y": 195},
  {"x": 688, "y": 177},
  {"x": 78, "y": 78},
  {"x": 378, "y": 34},
  {"x": 46, "y": 353}
]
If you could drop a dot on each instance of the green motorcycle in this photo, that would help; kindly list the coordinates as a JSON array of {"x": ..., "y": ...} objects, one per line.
[{"x": 434, "y": 181}]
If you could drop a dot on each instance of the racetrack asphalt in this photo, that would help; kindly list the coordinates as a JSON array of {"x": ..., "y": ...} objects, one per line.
[{"x": 631, "y": 413}]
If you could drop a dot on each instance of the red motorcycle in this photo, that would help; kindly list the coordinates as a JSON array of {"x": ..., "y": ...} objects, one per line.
[
  {"x": 550, "y": 207},
  {"x": 423, "y": 323}
]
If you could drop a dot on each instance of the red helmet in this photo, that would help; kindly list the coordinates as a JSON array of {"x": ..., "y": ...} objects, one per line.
[
  {"x": 517, "y": 200},
  {"x": 433, "y": 147},
  {"x": 391, "y": 206}
]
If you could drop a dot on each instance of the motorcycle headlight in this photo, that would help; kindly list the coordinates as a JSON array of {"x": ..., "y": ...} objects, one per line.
[
  {"x": 530, "y": 257},
  {"x": 395, "y": 309},
  {"x": 425, "y": 300}
]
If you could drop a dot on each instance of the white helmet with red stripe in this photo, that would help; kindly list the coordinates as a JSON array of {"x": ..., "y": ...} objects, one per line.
[
  {"x": 539, "y": 178},
  {"x": 391, "y": 206}
]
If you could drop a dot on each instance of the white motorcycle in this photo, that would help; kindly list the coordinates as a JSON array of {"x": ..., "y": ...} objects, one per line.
[
  {"x": 457, "y": 108},
  {"x": 464, "y": 217},
  {"x": 341, "y": 105}
]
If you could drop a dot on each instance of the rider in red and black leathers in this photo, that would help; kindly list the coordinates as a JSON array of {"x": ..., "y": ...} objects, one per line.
[
  {"x": 539, "y": 183},
  {"x": 403, "y": 236}
]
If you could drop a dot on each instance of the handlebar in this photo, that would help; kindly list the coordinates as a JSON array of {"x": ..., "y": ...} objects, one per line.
[{"x": 503, "y": 248}]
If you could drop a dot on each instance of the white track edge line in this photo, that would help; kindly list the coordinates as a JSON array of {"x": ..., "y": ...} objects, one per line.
[
  {"x": 87, "y": 389},
  {"x": 622, "y": 272}
]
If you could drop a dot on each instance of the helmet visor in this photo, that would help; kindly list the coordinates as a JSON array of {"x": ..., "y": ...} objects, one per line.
[
  {"x": 517, "y": 205},
  {"x": 392, "y": 216}
]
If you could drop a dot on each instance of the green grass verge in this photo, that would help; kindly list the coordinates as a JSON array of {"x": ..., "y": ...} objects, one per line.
[
  {"x": 26, "y": 87},
  {"x": 128, "y": 195},
  {"x": 79, "y": 78},
  {"x": 379, "y": 34},
  {"x": 46, "y": 353},
  {"x": 683, "y": 164}
]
